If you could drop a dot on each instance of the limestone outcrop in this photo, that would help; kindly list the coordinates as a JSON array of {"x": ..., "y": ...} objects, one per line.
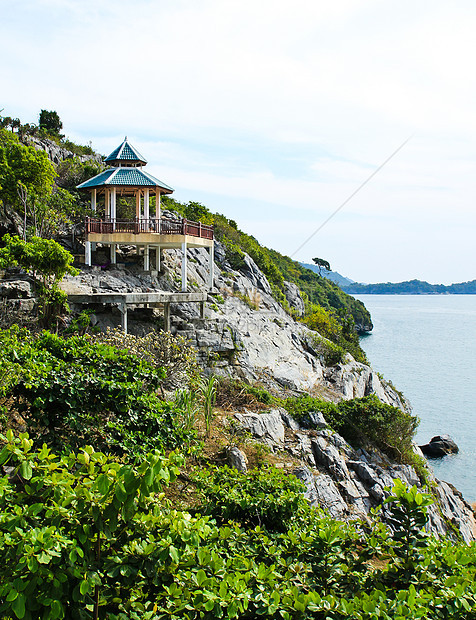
[
  {"x": 348, "y": 483},
  {"x": 247, "y": 334}
]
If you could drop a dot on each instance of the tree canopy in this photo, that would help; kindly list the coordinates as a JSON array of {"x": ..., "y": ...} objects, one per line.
[{"x": 50, "y": 122}]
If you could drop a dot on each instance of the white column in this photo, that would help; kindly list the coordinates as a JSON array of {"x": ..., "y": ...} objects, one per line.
[
  {"x": 93, "y": 209},
  {"x": 107, "y": 203},
  {"x": 138, "y": 204},
  {"x": 146, "y": 258},
  {"x": 113, "y": 253},
  {"x": 123, "y": 310},
  {"x": 146, "y": 204},
  {"x": 211, "y": 263},
  {"x": 87, "y": 253},
  {"x": 113, "y": 203},
  {"x": 166, "y": 317},
  {"x": 157, "y": 258},
  {"x": 158, "y": 213},
  {"x": 184, "y": 267}
]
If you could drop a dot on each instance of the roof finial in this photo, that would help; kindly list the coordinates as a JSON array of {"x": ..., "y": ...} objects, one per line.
[{"x": 125, "y": 139}]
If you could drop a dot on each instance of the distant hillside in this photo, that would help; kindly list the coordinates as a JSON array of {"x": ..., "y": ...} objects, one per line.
[
  {"x": 411, "y": 287},
  {"x": 330, "y": 275}
]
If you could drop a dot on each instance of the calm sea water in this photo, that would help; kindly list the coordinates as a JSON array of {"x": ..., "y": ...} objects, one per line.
[{"x": 425, "y": 344}]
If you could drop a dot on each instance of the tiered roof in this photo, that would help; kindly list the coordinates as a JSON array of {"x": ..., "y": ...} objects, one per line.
[{"x": 126, "y": 171}]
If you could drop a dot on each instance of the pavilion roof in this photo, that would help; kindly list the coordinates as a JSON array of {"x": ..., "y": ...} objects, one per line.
[
  {"x": 131, "y": 177},
  {"x": 126, "y": 153}
]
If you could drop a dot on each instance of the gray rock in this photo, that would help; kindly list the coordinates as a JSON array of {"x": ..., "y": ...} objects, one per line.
[
  {"x": 289, "y": 421},
  {"x": 326, "y": 455},
  {"x": 237, "y": 459},
  {"x": 293, "y": 297},
  {"x": 328, "y": 496},
  {"x": 16, "y": 289},
  {"x": 439, "y": 446},
  {"x": 266, "y": 426}
]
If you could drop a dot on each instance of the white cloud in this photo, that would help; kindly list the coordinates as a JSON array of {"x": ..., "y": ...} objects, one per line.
[{"x": 286, "y": 106}]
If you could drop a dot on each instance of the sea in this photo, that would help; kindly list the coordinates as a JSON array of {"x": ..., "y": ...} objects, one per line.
[{"x": 426, "y": 346}]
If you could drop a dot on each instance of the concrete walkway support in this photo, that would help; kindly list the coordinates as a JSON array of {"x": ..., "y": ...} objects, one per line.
[{"x": 125, "y": 300}]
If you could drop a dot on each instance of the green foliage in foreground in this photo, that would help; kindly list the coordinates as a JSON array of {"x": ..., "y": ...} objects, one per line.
[
  {"x": 72, "y": 392},
  {"x": 321, "y": 295},
  {"x": 84, "y": 536},
  {"x": 363, "y": 420},
  {"x": 46, "y": 260}
]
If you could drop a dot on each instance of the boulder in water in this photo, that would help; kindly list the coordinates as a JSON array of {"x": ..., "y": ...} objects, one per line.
[{"x": 439, "y": 446}]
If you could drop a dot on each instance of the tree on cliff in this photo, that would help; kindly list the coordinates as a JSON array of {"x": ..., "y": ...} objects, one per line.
[
  {"x": 320, "y": 262},
  {"x": 50, "y": 122}
]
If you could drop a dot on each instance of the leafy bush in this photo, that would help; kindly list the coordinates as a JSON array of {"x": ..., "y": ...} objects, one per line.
[
  {"x": 363, "y": 420},
  {"x": 233, "y": 393},
  {"x": 172, "y": 354},
  {"x": 331, "y": 353},
  {"x": 84, "y": 536},
  {"x": 72, "y": 392},
  {"x": 264, "y": 497}
]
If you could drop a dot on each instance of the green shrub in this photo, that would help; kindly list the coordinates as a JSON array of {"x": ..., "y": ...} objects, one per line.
[
  {"x": 73, "y": 392},
  {"x": 265, "y": 497},
  {"x": 363, "y": 420}
]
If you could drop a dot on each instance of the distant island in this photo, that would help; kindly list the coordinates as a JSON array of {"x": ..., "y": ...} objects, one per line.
[{"x": 411, "y": 287}]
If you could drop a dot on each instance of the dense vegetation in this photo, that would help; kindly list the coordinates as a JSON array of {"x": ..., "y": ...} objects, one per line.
[
  {"x": 334, "y": 314},
  {"x": 362, "y": 422},
  {"x": 75, "y": 391},
  {"x": 85, "y": 536}
]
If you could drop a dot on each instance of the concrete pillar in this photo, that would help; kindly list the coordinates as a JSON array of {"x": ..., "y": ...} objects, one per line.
[
  {"x": 107, "y": 203},
  {"x": 138, "y": 204},
  {"x": 113, "y": 253},
  {"x": 87, "y": 253},
  {"x": 184, "y": 267},
  {"x": 157, "y": 258},
  {"x": 146, "y": 258},
  {"x": 167, "y": 317},
  {"x": 211, "y": 262},
  {"x": 123, "y": 310},
  {"x": 113, "y": 207},
  {"x": 93, "y": 200},
  {"x": 146, "y": 204}
]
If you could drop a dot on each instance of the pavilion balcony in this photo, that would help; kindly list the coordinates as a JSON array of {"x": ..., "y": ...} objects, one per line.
[{"x": 140, "y": 226}]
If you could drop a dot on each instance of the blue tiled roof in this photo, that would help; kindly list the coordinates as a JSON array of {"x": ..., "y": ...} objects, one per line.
[
  {"x": 126, "y": 152},
  {"x": 135, "y": 177}
]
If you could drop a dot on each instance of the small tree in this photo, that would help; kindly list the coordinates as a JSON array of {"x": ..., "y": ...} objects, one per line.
[
  {"x": 320, "y": 262},
  {"x": 50, "y": 122},
  {"x": 45, "y": 259}
]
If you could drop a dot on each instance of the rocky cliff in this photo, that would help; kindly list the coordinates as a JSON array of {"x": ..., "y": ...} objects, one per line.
[{"x": 247, "y": 334}]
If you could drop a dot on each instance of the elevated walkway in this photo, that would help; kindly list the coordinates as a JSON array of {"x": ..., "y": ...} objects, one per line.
[{"x": 125, "y": 300}]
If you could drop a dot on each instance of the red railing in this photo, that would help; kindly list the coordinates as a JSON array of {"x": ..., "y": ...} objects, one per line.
[{"x": 161, "y": 226}]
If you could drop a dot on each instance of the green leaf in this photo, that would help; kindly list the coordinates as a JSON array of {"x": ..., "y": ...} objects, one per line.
[
  {"x": 18, "y": 606},
  {"x": 26, "y": 470},
  {"x": 84, "y": 587},
  {"x": 103, "y": 484}
]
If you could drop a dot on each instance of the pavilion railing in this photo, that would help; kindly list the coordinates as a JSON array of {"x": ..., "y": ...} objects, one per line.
[{"x": 161, "y": 226}]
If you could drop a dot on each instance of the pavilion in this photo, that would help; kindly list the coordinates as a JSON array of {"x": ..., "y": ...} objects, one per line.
[{"x": 126, "y": 185}]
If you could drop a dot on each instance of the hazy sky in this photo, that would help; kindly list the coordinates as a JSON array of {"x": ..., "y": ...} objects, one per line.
[{"x": 273, "y": 112}]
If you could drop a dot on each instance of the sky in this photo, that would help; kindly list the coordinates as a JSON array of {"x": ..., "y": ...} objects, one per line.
[{"x": 274, "y": 113}]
